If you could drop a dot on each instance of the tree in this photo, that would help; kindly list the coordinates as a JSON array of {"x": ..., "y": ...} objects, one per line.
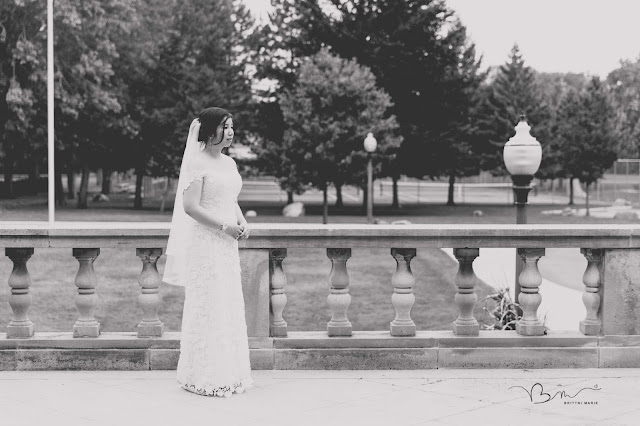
[
  {"x": 273, "y": 157},
  {"x": 589, "y": 141},
  {"x": 89, "y": 108},
  {"x": 194, "y": 69},
  {"x": 23, "y": 88},
  {"x": 625, "y": 90},
  {"x": 328, "y": 113},
  {"x": 413, "y": 47},
  {"x": 277, "y": 66},
  {"x": 456, "y": 144},
  {"x": 512, "y": 93},
  {"x": 553, "y": 86},
  {"x": 553, "y": 89}
]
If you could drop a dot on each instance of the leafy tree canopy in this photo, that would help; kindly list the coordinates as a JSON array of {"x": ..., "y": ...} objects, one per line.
[{"x": 328, "y": 113}]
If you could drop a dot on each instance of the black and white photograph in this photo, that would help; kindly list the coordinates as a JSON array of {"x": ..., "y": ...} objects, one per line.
[{"x": 319, "y": 212}]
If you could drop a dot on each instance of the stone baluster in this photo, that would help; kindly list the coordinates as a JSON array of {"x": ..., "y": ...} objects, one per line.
[
  {"x": 149, "y": 298},
  {"x": 403, "y": 297},
  {"x": 466, "y": 297},
  {"x": 86, "y": 325},
  {"x": 20, "y": 326},
  {"x": 278, "y": 280},
  {"x": 339, "y": 298},
  {"x": 592, "y": 324},
  {"x": 530, "y": 298}
]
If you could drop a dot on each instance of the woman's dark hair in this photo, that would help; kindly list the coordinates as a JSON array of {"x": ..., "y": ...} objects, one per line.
[{"x": 210, "y": 119}]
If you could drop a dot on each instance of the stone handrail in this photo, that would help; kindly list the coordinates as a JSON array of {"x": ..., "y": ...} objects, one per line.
[
  {"x": 612, "y": 253},
  {"x": 150, "y": 234}
]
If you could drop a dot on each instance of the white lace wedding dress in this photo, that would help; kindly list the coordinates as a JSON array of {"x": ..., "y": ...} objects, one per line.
[{"x": 214, "y": 351}]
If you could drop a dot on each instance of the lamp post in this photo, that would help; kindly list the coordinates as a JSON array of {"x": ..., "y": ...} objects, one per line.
[
  {"x": 522, "y": 157},
  {"x": 370, "y": 144}
]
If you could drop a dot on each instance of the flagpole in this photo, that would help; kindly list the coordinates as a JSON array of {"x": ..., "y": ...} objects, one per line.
[{"x": 50, "y": 112}]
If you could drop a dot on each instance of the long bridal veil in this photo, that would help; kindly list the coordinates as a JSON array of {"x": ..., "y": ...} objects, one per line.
[{"x": 181, "y": 223}]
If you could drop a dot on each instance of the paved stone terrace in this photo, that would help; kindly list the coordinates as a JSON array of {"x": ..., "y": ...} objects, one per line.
[{"x": 281, "y": 398}]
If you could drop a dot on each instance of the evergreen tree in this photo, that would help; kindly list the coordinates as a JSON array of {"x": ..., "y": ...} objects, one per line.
[
  {"x": 512, "y": 93},
  {"x": 456, "y": 146}
]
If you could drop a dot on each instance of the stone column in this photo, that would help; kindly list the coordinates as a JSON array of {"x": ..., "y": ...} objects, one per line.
[
  {"x": 620, "y": 303},
  {"x": 466, "y": 297},
  {"x": 149, "y": 298},
  {"x": 403, "y": 297},
  {"x": 86, "y": 325},
  {"x": 339, "y": 298},
  {"x": 277, "y": 278},
  {"x": 592, "y": 324},
  {"x": 530, "y": 298},
  {"x": 20, "y": 326}
]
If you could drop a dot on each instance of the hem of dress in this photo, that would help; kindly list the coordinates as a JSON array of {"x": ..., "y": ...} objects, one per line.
[{"x": 219, "y": 391}]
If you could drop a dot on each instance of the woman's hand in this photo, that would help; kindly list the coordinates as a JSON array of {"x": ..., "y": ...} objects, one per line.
[
  {"x": 245, "y": 231},
  {"x": 234, "y": 231}
]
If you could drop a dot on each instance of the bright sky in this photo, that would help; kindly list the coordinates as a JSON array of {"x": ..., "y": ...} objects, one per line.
[{"x": 589, "y": 36}]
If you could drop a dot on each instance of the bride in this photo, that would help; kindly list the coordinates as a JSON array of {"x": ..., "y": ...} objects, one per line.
[{"x": 202, "y": 256}]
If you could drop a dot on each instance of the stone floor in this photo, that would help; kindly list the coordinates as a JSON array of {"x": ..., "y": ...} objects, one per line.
[{"x": 418, "y": 397}]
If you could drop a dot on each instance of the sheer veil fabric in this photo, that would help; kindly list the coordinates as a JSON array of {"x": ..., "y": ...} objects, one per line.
[{"x": 181, "y": 224}]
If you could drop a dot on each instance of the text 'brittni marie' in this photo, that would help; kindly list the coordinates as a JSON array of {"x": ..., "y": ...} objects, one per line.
[{"x": 537, "y": 395}]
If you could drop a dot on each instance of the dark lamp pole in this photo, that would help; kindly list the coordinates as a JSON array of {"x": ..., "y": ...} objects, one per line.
[{"x": 522, "y": 157}]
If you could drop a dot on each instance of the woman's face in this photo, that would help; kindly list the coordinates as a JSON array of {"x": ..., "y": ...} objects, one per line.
[{"x": 224, "y": 133}]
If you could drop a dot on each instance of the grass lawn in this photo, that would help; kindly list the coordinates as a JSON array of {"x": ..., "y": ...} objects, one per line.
[{"x": 120, "y": 209}]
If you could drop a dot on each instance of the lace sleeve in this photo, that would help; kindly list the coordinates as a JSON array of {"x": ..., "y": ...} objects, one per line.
[{"x": 192, "y": 176}]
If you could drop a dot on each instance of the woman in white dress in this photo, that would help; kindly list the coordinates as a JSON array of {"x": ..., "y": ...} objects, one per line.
[{"x": 202, "y": 256}]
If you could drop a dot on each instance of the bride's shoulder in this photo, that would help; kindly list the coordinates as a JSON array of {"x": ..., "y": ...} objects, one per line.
[
  {"x": 231, "y": 160},
  {"x": 201, "y": 161}
]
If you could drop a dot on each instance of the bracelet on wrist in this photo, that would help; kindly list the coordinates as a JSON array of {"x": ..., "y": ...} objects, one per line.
[{"x": 223, "y": 226}]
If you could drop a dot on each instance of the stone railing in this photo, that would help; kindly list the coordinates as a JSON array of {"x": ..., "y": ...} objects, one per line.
[{"x": 608, "y": 336}]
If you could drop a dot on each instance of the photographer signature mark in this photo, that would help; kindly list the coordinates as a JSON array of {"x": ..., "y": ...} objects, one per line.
[{"x": 537, "y": 394}]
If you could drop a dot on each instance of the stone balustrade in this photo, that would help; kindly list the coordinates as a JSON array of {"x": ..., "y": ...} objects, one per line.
[{"x": 608, "y": 336}]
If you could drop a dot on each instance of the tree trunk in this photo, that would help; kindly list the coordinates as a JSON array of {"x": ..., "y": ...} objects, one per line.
[
  {"x": 84, "y": 187},
  {"x": 34, "y": 177},
  {"x": 71, "y": 185},
  {"x": 339, "y": 202},
  {"x": 365, "y": 199},
  {"x": 325, "y": 205},
  {"x": 164, "y": 194},
  {"x": 452, "y": 182},
  {"x": 571, "y": 191},
  {"x": 99, "y": 177},
  {"x": 8, "y": 176},
  {"x": 395, "y": 203},
  {"x": 106, "y": 181},
  {"x": 60, "y": 197},
  {"x": 137, "y": 202},
  {"x": 289, "y": 197},
  {"x": 587, "y": 191}
]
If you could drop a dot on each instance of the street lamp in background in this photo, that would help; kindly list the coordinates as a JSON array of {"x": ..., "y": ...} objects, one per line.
[
  {"x": 522, "y": 156},
  {"x": 370, "y": 144}
]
